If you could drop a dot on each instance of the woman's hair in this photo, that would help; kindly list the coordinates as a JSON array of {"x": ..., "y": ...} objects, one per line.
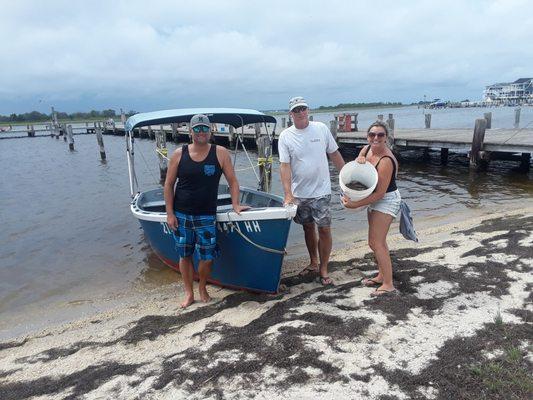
[{"x": 380, "y": 124}]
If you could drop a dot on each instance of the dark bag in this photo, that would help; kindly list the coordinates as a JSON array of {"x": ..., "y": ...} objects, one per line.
[{"x": 407, "y": 229}]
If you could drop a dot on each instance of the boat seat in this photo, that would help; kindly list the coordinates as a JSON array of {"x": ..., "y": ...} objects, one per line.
[{"x": 157, "y": 205}]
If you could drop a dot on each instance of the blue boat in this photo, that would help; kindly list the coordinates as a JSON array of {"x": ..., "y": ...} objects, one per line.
[{"x": 252, "y": 244}]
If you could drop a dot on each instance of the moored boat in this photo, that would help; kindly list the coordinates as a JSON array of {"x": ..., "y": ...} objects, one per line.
[{"x": 252, "y": 244}]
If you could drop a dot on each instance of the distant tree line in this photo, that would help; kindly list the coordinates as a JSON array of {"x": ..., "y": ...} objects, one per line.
[
  {"x": 36, "y": 116},
  {"x": 360, "y": 105}
]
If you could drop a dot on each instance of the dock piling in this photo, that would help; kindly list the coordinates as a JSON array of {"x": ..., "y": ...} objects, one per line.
[
  {"x": 333, "y": 128},
  {"x": 517, "y": 117},
  {"x": 444, "y": 156},
  {"x": 100, "y": 141},
  {"x": 427, "y": 121},
  {"x": 264, "y": 158},
  {"x": 54, "y": 126},
  {"x": 283, "y": 122},
  {"x": 390, "y": 124},
  {"x": 162, "y": 153},
  {"x": 525, "y": 162},
  {"x": 70, "y": 137},
  {"x": 488, "y": 118},
  {"x": 31, "y": 130},
  {"x": 174, "y": 128},
  {"x": 477, "y": 159},
  {"x": 232, "y": 137}
]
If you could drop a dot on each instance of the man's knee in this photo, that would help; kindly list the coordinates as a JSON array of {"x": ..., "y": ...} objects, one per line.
[
  {"x": 310, "y": 227},
  {"x": 324, "y": 231}
]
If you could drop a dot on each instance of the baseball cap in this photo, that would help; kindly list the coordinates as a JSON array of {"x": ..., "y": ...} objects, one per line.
[
  {"x": 199, "y": 119},
  {"x": 297, "y": 102}
]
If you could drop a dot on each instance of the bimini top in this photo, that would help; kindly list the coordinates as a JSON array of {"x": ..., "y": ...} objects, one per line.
[{"x": 236, "y": 117}]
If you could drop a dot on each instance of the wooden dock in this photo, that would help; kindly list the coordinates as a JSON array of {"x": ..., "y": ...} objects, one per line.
[
  {"x": 481, "y": 143},
  {"x": 501, "y": 140}
]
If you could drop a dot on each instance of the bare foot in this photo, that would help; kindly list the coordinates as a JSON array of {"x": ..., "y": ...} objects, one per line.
[
  {"x": 204, "y": 295},
  {"x": 187, "y": 302}
]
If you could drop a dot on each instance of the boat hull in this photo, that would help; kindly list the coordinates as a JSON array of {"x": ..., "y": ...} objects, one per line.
[
  {"x": 252, "y": 243},
  {"x": 240, "y": 265}
]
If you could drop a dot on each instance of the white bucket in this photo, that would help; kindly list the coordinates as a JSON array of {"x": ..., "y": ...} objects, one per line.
[{"x": 365, "y": 174}]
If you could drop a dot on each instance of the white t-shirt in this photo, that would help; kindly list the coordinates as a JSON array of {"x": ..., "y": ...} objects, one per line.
[{"x": 305, "y": 150}]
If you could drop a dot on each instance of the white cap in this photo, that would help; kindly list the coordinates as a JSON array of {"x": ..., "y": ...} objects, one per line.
[{"x": 297, "y": 102}]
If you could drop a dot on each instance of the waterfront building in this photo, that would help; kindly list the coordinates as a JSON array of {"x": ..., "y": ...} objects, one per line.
[{"x": 519, "y": 92}]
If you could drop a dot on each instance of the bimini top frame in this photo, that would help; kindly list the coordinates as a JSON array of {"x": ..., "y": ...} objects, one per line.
[{"x": 236, "y": 117}]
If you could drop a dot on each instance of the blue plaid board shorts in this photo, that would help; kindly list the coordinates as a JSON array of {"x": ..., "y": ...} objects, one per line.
[{"x": 196, "y": 233}]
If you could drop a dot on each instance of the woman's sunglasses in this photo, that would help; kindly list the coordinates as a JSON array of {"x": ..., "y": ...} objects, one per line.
[
  {"x": 201, "y": 129},
  {"x": 374, "y": 134}
]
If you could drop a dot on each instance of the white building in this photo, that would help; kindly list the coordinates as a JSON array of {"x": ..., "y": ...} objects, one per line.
[{"x": 518, "y": 92}]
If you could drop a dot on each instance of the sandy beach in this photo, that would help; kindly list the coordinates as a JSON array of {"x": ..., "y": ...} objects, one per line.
[{"x": 460, "y": 329}]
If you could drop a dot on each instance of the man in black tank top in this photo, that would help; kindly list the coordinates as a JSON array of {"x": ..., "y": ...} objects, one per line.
[{"x": 191, "y": 203}]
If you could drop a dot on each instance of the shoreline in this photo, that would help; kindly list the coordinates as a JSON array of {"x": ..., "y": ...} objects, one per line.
[
  {"x": 28, "y": 319},
  {"x": 333, "y": 339}
]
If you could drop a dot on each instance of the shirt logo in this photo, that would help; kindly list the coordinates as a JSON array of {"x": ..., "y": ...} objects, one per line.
[
  {"x": 315, "y": 140},
  {"x": 209, "y": 170}
]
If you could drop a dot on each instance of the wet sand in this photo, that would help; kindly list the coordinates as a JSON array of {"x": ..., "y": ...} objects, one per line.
[{"x": 465, "y": 297}]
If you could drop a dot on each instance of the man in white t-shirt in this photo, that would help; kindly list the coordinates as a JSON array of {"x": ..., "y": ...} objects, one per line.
[{"x": 303, "y": 153}]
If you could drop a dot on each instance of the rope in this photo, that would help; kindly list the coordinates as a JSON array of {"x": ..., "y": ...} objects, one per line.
[
  {"x": 517, "y": 132},
  {"x": 514, "y": 134},
  {"x": 163, "y": 153},
  {"x": 262, "y": 161},
  {"x": 244, "y": 169},
  {"x": 267, "y": 249}
]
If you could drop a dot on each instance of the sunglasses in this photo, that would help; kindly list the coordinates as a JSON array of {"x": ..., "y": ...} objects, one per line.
[
  {"x": 299, "y": 109},
  {"x": 374, "y": 134},
  {"x": 201, "y": 129}
]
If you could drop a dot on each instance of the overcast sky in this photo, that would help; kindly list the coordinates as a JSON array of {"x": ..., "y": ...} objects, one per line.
[{"x": 149, "y": 55}]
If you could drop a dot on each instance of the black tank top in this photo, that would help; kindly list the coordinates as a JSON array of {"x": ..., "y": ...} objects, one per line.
[
  {"x": 197, "y": 188},
  {"x": 392, "y": 184}
]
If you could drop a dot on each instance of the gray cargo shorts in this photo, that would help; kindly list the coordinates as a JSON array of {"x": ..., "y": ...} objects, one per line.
[{"x": 315, "y": 210}]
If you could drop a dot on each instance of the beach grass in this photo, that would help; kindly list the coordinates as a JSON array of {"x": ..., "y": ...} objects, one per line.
[{"x": 506, "y": 377}]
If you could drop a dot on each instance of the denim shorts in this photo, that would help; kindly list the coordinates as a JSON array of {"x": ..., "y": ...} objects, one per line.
[
  {"x": 389, "y": 204},
  {"x": 196, "y": 233},
  {"x": 314, "y": 210}
]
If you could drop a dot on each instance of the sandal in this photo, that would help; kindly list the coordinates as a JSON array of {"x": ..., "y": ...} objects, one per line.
[
  {"x": 309, "y": 270},
  {"x": 384, "y": 292},
  {"x": 325, "y": 280},
  {"x": 371, "y": 282}
]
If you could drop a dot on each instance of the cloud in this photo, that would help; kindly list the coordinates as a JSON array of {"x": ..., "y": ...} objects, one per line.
[{"x": 146, "y": 55}]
